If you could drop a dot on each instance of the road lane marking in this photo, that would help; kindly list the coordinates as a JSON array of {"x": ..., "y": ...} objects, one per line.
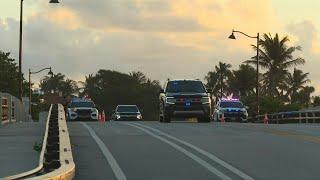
[
  {"x": 107, "y": 154},
  {"x": 292, "y": 135},
  {"x": 203, "y": 152},
  {"x": 184, "y": 151}
]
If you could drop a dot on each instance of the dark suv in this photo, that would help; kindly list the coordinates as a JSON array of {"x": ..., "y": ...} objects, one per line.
[{"x": 185, "y": 99}]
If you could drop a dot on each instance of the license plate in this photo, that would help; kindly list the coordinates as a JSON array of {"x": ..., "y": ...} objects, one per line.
[
  {"x": 188, "y": 102},
  {"x": 192, "y": 120}
]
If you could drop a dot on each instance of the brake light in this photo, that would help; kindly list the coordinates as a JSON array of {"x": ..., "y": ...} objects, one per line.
[{"x": 197, "y": 99}]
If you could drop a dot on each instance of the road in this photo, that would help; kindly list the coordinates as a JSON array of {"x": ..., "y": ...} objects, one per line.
[
  {"x": 188, "y": 151},
  {"x": 16, "y": 153}
]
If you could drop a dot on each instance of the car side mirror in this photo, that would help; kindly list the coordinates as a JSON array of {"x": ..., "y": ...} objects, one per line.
[{"x": 161, "y": 91}]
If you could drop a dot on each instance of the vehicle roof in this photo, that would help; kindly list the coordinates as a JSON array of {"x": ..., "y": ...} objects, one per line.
[
  {"x": 80, "y": 100},
  {"x": 229, "y": 100},
  {"x": 184, "y": 80},
  {"x": 126, "y": 105}
]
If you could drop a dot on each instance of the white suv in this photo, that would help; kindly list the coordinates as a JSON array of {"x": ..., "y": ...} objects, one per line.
[
  {"x": 231, "y": 110},
  {"x": 80, "y": 109}
]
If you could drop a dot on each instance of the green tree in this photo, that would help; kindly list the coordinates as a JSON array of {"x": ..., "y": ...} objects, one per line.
[
  {"x": 217, "y": 80},
  {"x": 243, "y": 81},
  {"x": 58, "y": 84},
  {"x": 110, "y": 88},
  {"x": 9, "y": 74},
  {"x": 304, "y": 95},
  {"x": 295, "y": 83},
  {"x": 316, "y": 101},
  {"x": 276, "y": 57}
]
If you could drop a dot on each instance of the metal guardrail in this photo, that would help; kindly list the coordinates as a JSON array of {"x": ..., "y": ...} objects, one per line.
[
  {"x": 11, "y": 109},
  {"x": 56, "y": 161},
  {"x": 305, "y": 116}
]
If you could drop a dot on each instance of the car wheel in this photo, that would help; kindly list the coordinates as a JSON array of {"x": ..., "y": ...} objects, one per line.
[
  {"x": 160, "y": 118},
  {"x": 166, "y": 117}
]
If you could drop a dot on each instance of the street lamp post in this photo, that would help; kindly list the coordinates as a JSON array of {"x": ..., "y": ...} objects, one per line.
[
  {"x": 20, "y": 45},
  {"x": 257, "y": 80},
  {"x": 30, "y": 84}
]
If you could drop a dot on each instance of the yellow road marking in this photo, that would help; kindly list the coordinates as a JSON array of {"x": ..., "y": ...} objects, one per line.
[{"x": 288, "y": 134}]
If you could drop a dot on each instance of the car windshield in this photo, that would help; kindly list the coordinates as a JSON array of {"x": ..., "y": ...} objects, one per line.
[
  {"x": 231, "y": 104},
  {"x": 82, "y": 104},
  {"x": 131, "y": 109},
  {"x": 185, "y": 86}
]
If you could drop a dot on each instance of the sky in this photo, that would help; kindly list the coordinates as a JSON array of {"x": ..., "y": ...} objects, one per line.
[{"x": 162, "y": 38}]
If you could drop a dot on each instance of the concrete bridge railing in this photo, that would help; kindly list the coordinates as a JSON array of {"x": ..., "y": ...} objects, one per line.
[{"x": 304, "y": 116}]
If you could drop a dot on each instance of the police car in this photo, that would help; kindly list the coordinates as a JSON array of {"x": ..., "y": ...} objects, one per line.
[
  {"x": 231, "y": 110},
  {"x": 82, "y": 109}
]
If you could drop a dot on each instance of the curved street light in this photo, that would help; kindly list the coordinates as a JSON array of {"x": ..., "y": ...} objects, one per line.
[
  {"x": 30, "y": 84},
  {"x": 232, "y": 36},
  {"x": 20, "y": 45}
]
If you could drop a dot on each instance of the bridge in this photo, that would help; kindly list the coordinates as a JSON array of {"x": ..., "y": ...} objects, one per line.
[{"x": 152, "y": 150}]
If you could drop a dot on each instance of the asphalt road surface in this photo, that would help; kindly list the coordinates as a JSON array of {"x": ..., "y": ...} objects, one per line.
[
  {"x": 189, "y": 151},
  {"x": 16, "y": 141}
]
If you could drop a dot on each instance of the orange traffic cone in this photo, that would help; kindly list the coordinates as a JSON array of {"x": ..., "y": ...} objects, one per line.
[
  {"x": 222, "y": 119},
  {"x": 265, "y": 119},
  {"x": 103, "y": 117},
  {"x": 99, "y": 117}
]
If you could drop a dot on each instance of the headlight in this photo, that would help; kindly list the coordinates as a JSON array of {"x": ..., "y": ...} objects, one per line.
[
  {"x": 118, "y": 116},
  {"x": 139, "y": 116},
  {"x": 170, "y": 100},
  {"x": 73, "y": 109},
  {"x": 205, "y": 100},
  {"x": 245, "y": 112}
]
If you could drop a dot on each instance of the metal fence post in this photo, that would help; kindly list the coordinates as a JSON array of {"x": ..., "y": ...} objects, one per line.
[
  {"x": 299, "y": 117},
  {"x": 10, "y": 108},
  {"x": 0, "y": 109},
  {"x": 306, "y": 117}
]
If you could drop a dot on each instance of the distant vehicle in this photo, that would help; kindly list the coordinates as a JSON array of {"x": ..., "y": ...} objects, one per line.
[
  {"x": 231, "y": 109},
  {"x": 186, "y": 99},
  {"x": 80, "y": 109},
  {"x": 127, "y": 113}
]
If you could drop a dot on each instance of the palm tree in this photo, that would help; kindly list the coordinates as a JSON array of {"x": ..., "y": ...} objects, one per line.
[
  {"x": 276, "y": 57},
  {"x": 295, "y": 83},
  {"x": 304, "y": 96},
  {"x": 217, "y": 79},
  {"x": 242, "y": 82}
]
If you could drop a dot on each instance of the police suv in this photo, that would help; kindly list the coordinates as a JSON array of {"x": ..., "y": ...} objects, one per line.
[
  {"x": 230, "y": 110},
  {"x": 82, "y": 109}
]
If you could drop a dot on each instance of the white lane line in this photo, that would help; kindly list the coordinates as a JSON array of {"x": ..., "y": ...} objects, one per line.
[
  {"x": 205, "y": 153},
  {"x": 186, "y": 152},
  {"x": 107, "y": 154}
]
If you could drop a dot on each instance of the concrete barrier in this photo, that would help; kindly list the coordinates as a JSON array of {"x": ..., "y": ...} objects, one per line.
[{"x": 56, "y": 160}]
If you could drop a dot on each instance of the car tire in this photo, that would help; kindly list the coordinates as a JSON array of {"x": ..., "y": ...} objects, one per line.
[
  {"x": 160, "y": 118},
  {"x": 166, "y": 117}
]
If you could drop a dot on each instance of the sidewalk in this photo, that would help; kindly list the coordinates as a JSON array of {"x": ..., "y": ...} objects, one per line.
[{"x": 16, "y": 142}]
